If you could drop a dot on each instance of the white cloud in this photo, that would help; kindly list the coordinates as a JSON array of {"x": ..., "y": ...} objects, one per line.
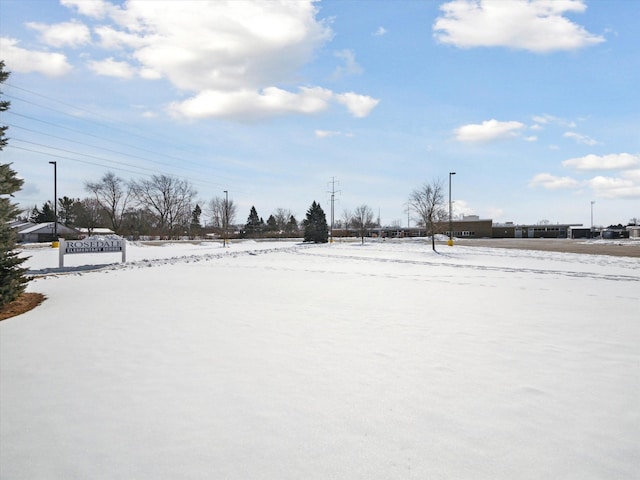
[
  {"x": 460, "y": 208},
  {"x": 21, "y": 60},
  {"x": 614, "y": 161},
  {"x": 272, "y": 101},
  {"x": 633, "y": 175},
  {"x": 579, "y": 138},
  {"x": 551, "y": 119},
  {"x": 531, "y": 138},
  {"x": 551, "y": 182},
  {"x": 350, "y": 66},
  {"x": 612, "y": 187},
  {"x": 327, "y": 133},
  {"x": 488, "y": 130},
  {"x": 237, "y": 59},
  {"x": 537, "y": 25},
  {"x": 380, "y": 32},
  {"x": 72, "y": 34},
  {"x": 112, "y": 38},
  {"x": 358, "y": 105},
  {"x": 332, "y": 133},
  {"x": 219, "y": 45},
  {"x": 112, "y": 68},
  {"x": 251, "y": 104},
  {"x": 93, "y": 9}
]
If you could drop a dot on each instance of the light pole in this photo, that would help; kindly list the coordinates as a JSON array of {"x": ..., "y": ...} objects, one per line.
[
  {"x": 226, "y": 217},
  {"x": 592, "y": 202},
  {"x": 55, "y": 202},
  {"x": 450, "y": 242}
]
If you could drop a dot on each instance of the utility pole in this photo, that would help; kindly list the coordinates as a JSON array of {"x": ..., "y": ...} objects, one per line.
[
  {"x": 55, "y": 203},
  {"x": 226, "y": 217},
  {"x": 333, "y": 195},
  {"x": 450, "y": 242}
]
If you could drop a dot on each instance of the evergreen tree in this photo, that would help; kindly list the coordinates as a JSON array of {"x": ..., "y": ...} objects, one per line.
[
  {"x": 12, "y": 278},
  {"x": 315, "y": 225},
  {"x": 47, "y": 213},
  {"x": 195, "y": 225},
  {"x": 67, "y": 211},
  {"x": 292, "y": 226},
  {"x": 255, "y": 224},
  {"x": 4, "y": 105},
  {"x": 272, "y": 224}
]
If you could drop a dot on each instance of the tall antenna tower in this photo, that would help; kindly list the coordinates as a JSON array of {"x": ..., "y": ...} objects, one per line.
[{"x": 333, "y": 192}]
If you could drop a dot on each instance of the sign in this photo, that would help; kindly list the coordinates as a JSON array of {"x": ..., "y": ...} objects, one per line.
[{"x": 108, "y": 244}]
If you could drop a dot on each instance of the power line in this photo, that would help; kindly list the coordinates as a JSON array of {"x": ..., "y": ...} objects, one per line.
[
  {"x": 178, "y": 166},
  {"x": 99, "y": 137},
  {"x": 96, "y": 114},
  {"x": 81, "y": 132},
  {"x": 111, "y": 167},
  {"x": 96, "y": 147}
]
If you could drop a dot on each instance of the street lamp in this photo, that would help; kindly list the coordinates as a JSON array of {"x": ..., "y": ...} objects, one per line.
[
  {"x": 226, "y": 217},
  {"x": 55, "y": 202},
  {"x": 592, "y": 202},
  {"x": 450, "y": 242}
]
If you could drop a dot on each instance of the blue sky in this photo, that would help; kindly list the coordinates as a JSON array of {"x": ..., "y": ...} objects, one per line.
[{"x": 534, "y": 104}]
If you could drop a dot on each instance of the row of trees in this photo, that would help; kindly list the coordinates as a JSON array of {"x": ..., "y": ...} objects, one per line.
[
  {"x": 427, "y": 202},
  {"x": 162, "y": 206}
]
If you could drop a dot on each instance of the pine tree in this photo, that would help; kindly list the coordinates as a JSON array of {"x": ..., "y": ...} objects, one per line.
[
  {"x": 12, "y": 279},
  {"x": 4, "y": 105},
  {"x": 195, "y": 226},
  {"x": 45, "y": 215},
  {"x": 292, "y": 226},
  {"x": 67, "y": 211},
  {"x": 315, "y": 225},
  {"x": 272, "y": 224},
  {"x": 255, "y": 224}
]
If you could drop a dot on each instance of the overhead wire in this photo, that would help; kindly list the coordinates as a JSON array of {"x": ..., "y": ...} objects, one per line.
[
  {"x": 179, "y": 166},
  {"x": 57, "y": 125},
  {"x": 97, "y": 147}
]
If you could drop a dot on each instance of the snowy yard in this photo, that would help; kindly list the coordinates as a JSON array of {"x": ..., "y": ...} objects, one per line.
[{"x": 287, "y": 361}]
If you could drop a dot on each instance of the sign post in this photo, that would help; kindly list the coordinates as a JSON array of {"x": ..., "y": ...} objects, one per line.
[{"x": 92, "y": 245}]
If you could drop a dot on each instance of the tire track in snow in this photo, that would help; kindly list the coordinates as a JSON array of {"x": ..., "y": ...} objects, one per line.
[{"x": 489, "y": 268}]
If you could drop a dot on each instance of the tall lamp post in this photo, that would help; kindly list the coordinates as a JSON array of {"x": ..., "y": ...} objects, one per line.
[
  {"x": 450, "y": 242},
  {"x": 55, "y": 202},
  {"x": 226, "y": 217},
  {"x": 592, "y": 202}
]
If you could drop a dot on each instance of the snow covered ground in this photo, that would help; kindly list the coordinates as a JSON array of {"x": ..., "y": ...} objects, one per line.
[{"x": 287, "y": 361}]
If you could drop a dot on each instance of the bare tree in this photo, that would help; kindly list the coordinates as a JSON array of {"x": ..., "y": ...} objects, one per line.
[
  {"x": 428, "y": 203},
  {"x": 282, "y": 216},
  {"x": 168, "y": 199},
  {"x": 112, "y": 193},
  {"x": 215, "y": 212},
  {"x": 89, "y": 214},
  {"x": 347, "y": 217},
  {"x": 362, "y": 220},
  {"x": 221, "y": 212}
]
